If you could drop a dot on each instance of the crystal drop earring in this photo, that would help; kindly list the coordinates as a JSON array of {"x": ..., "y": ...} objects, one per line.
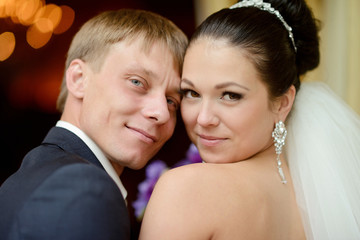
[{"x": 279, "y": 135}]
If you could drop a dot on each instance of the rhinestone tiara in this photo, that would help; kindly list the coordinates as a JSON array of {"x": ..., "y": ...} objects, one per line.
[{"x": 266, "y": 7}]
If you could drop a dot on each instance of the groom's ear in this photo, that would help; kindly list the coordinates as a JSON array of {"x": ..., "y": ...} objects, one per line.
[
  {"x": 284, "y": 104},
  {"x": 76, "y": 78}
]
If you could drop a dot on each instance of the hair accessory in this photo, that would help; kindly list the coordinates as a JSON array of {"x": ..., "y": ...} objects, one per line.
[
  {"x": 266, "y": 7},
  {"x": 279, "y": 135}
]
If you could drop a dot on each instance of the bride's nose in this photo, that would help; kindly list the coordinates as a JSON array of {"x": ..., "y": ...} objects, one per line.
[{"x": 207, "y": 115}]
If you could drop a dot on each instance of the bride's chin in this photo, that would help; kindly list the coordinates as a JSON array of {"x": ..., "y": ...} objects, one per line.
[{"x": 212, "y": 157}]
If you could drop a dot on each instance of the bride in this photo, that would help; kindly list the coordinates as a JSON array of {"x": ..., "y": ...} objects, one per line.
[{"x": 281, "y": 161}]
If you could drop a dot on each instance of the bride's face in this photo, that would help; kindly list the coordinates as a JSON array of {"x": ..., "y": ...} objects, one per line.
[{"x": 225, "y": 108}]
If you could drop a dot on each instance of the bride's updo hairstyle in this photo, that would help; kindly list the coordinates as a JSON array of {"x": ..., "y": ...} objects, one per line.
[{"x": 266, "y": 41}]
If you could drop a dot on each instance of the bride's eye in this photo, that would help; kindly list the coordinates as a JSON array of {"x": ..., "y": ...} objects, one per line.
[
  {"x": 188, "y": 93},
  {"x": 230, "y": 96}
]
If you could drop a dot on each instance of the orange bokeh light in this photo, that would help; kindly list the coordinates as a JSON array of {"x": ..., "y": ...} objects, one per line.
[
  {"x": 2, "y": 8},
  {"x": 47, "y": 18},
  {"x": 9, "y": 8},
  {"x": 36, "y": 38},
  {"x": 43, "y": 25},
  {"x": 26, "y": 11},
  {"x": 7, "y": 45},
  {"x": 67, "y": 19},
  {"x": 43, "y": 20}
]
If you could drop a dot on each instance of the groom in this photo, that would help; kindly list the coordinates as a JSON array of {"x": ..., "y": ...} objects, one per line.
[{"x": 118, "y": 100}]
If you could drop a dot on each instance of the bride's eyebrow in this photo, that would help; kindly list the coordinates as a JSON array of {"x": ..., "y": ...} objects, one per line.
[
  {"x": 187, "y": 82},
  {"x": 227, "y": 84}
]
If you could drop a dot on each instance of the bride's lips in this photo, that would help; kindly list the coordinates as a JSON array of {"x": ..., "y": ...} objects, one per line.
[
  {"x": 143, "y": 135},
  {"x": 210, "y": 140}
]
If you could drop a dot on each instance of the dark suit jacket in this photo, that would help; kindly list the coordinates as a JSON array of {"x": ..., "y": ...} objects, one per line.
[{"x": 61, "y": 191}]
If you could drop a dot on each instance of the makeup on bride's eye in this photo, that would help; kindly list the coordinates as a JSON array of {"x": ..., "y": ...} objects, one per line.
[
  {"x": 231, "y": 96},
  {"x": 189, "y": 93}
]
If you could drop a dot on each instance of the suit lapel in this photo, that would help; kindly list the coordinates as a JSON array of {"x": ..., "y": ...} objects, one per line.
[{"x": 69, "y": 142}]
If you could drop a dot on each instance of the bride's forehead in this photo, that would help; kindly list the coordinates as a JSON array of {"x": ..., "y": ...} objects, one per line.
[{"x": 220, "y": 66}]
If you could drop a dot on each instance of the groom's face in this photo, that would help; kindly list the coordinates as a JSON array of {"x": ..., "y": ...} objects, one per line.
[{"x": 129, "y": 106}]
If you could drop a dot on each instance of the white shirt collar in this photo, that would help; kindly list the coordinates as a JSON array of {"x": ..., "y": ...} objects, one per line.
[{"x": 98, "y": 153}]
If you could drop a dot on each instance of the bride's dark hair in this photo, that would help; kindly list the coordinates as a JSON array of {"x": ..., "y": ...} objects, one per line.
[{"x": 266, "y": 41}]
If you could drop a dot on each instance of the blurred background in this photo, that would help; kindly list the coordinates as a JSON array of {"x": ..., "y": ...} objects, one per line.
[{"x": 32, "y": 56}]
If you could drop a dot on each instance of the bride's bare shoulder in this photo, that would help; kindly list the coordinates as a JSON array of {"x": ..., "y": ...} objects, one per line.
[
  {"x": 200, "y": 198},
  {"x": 200, "y": 174},
  {"x": 208, "y": 181}
]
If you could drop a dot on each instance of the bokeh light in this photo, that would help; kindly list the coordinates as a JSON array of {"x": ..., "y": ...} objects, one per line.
[
  {"x": 43, "y": 25},
  {"x": 37, "y": 38},
  {"x": 27, "y": 10},
  {"x": 2, "y": 8},
  {"x": 67, "y": 19},
  {"x": 7, "y": 45},
  {"x": 42, "y": 20},
  {"x": 9, "y": 10},
  {"x": 22, "y": 9},
  {"x": 47, "y": 18}
]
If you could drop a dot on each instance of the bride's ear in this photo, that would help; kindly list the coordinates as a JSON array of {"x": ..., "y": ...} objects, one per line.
[
  {"x": 76, "y": 78},
  {"x": 285, "y": 103}
]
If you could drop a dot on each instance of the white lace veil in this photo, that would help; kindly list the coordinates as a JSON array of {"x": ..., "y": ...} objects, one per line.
[{"x": 323, "y": 153}]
